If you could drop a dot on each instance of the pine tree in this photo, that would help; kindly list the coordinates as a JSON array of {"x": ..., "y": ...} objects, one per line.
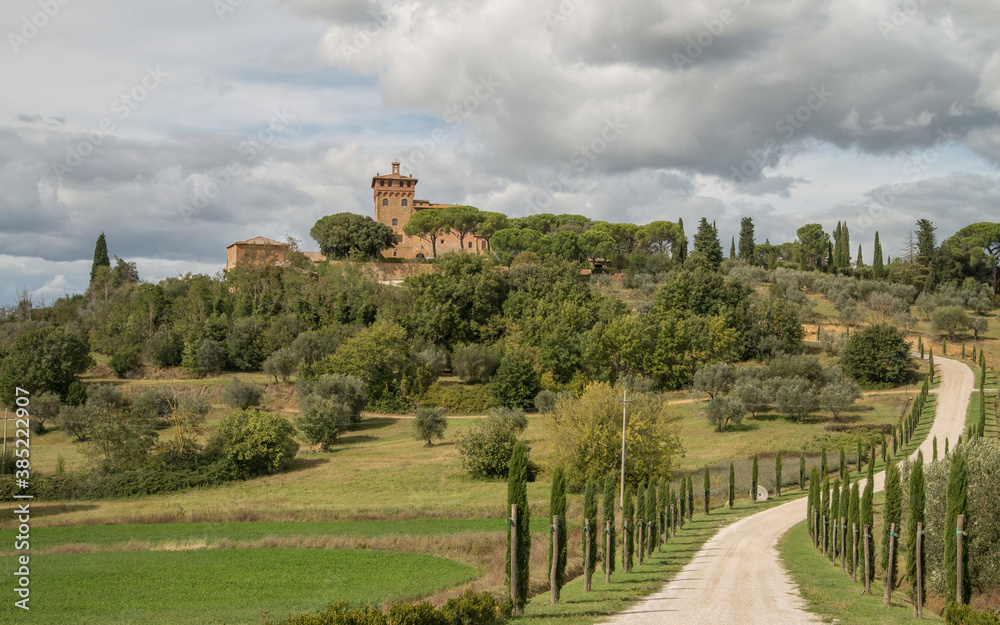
[
  {"x": 708, "y": 490},
  {"x": 777, "y": 474},
  {"x": 608, "y": 516},
  {"x": 628, "y": 520},
  {"x": 915, "y": 515},
  {"x": 557, "y": 506},
  {"x": 732, "y": 485},
  {"x": 957, "y": 500},
  {"x": 878, "y": 269},
  {"x": 753, "y": 482},
  {"x": 517, "y": 493},
  {"x": 706, "y": 243},
  {"x": 802, "y": 470},
  {"x": 892, "y": 512},
  {"x": 100, "y": 257},
  {"x": 591, "y": 531},
  {"x": 747, "y": 245}
]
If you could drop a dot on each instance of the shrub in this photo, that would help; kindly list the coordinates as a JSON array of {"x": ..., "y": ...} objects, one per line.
[
  {"x": 458, "y": 398},
  {"x": 242, "y": 395},
  {"x": 545, "y": 401},
  {"x": 436, "y": 359},
  {"x": 473, "y": 363},
  {"x": 877, "y": 356},
  {"x": 281, "y": 364},
  {"x": 125, "y": 362},
  {"x": 470, "y": 608},
  {"x": 475, "y": 608},
  {"x": 961, "y": 614},
  {"x": 415, "y": 614},
  {"x": 165, "y": 348},
  {"x": 211, "y": 356},
  {"x": 486, "y": 446},
  {"x": 322, "y": 422},
  {"x": 429, "y": 424},
  {"x": 516, "y": 381},
  {"x": 254, "y": 443}
]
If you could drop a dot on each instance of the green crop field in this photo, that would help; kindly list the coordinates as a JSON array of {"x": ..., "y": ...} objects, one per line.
[{"x": 217, "y": 586}]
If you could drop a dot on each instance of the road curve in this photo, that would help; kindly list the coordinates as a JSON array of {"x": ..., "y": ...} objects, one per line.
[{"x": 737, "y": 577}]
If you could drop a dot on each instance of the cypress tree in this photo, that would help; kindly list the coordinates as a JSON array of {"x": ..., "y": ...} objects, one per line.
[
  {"x": 813, "y": 497},
  {"x": 878, "y": 269},
  {"x": 845, "y": 502},
  {"x": 824, "y": 468},
  {"x": 802, "y": 470},
  {"x": 100, "y": 257},
  {"x": 871, "y": 467},
  {"x": 708, "y": 490},
  {"x": 930, "y": 365},
  {"x": 974, "y": 354},
  {"x": 843, "y": 460},
  {"x": 732, "y": 248},
  {"x": 517, "y": 493},
  {"x": 861, "y": 262},
  {"x": 834, "y": 516},
  {"x": 706, "y": 243},
  {"x": 777, "y": 474},
  {"x": 824, "y": 506},
  {"x": 981, "y": 425},
  {"x": 753, "y": 483},
  {"x": 892, "y": 512},
  {"x": 690, "y": 498},
  {"x": 944, "y": 347},
  {"x": 920, "y": 345},
  {"x": 732, "y": 484},
  {"x": 683, "y": 498},
  {"x": 557, "y": 505},
  {"x": 747, "y": 243},
  {"x": 860, "y": 455},
  {"x": 663, "y": 496},
  {"x": 945, "y": 446},
  {"x": 652, "y": 510},
  {"x": 867, "y": 513},
  {"x": 934, "y": 450},
  {"x": 590, "y": 514},
  {"x": 854, "y": 516},
  {"x": 957, "y": 500},
  {"x": 963, "y": 350},
  {"x": 915, "y": 515},
  {"x": 628, "y": 517}
]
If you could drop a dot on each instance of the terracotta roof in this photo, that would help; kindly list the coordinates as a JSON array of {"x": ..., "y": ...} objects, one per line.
[{"x": 258, "y": 241}]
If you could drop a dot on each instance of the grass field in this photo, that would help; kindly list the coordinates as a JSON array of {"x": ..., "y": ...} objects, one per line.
[{"x": 220, "y": 585}]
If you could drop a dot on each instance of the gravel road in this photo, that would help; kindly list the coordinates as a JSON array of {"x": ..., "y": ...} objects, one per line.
[{"x": 737, "y": 577}]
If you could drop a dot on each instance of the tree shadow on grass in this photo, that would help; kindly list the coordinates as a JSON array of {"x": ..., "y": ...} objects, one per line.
[{"x": 304, "y": 464}]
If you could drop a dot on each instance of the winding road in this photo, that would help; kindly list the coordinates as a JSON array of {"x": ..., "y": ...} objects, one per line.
[{"x": 737, "y": 577}]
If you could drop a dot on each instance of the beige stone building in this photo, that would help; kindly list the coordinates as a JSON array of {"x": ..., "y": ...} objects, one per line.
[
  {"x": 263, "y": 250},
  {"x": 395, "y": 204}
]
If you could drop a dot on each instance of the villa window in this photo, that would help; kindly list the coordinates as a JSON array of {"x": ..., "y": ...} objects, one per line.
[
  {"x": 385, "y": 202},
  {"x": 404, "y": 201},
  {"x": 395, "y": 222},
  {"x": 470, "y": 245},
  {"x": 399, "y": 238}
]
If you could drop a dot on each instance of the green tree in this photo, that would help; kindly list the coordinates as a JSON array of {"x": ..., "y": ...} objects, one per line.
[
  {"x": 878, "y": 268},
  {"x": 747, "y": 245},
  {"x": 980, "y": 243},
  {"x": 860, "y": 261},
  {"x": 517, "y": 494},
  {"x": 100, "y": 257},
  {"x": 725, "y": 410},
  {"x": 557, "y": 506},
  {"x": 43, "y": 359},
  {"x": 282, "y": 363},
  {"x": 628, "y": 521},
  {"x": 690, "y": 500},
  {"x": 753, "y": 481},
  {"x": 915, "y": 515},
  {"x": 867, "y": 517},
  {"x": 834, "y": 514},
  {"x": 707, "y": 245},
  {"x": 878, "y": 356},
  {"x": 590, "y": 515},
  {"x": 926, "y": 246},
  {"x": 813, "y": 245},
  {"x": 732, "y": 485},
  {"x": 254, "y": 443},
  {"x": 608, "y": 521},
  {"x": 428, "y": 224},
  {"x": 348, "y": 234},
  {"x": 486, "y": 447},
  {"x": 242, "y": 395},
  {"x": 802, "y": 471},
  {"x": 376, "y": 355},
  {"x": 892, "y": 512},
  {"x": 715, "y": 379},
  {"x": 516, "y": 381},
  {"x": 429, "y": 424},
  {"x": 854, "y": 517},
  {"x": 707, "y": 490},
  {"x": 949, "y": 319},
  {"x": 956, "y": 504},
  {"x": 777, "y": 473},
  {"x": 462, "y": 220},
  {"x": 796, "y": 397}
]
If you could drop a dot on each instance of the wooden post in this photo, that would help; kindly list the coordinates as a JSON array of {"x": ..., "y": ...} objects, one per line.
[
  {"x": 607, "y": 552},
  {"x": 959, "y": 535},
  {"x": 868, "y": 570},
  {"x": 843, "y": 544},
  {"x": 920, "y": 570},
  {"x": 555, "y": 559},
  {"x": 513, "y": 557},
  {"x": 854, "y": 552},
  {"x": 586, "y": 555},
  {"x": 887, "y": 598}
]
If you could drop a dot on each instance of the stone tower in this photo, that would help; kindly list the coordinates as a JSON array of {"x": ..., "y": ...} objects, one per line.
[{"x": 394, "y": 205}]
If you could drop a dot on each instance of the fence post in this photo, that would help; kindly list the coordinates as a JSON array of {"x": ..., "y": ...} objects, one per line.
[
  {"x": 513, "y": 557},
  {"x": 868, "y": 561},
  {"x": 854, "y": 552},
  {"x": 607, "y": 552},
  {"x": 959, "y": 535},
  {"x": 553, "y": 574},
  {"x": 887, "y": 598},
  {"x": 586, "y": 557},
  {"x": 920, "y": 570},
  {"x": 843, "y": 544}
]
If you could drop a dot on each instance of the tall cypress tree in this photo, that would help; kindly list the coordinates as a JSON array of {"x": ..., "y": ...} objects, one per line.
[
  {"x": 732, "y": 484},
  {"x": 824, "y": 504},
  {"x": 747, "y": 245},
  {"x": 802, "y": 470},
  {"x": 845, "y": 235},
  {"x": 753, "y": 481},
  {"x": 732, "y": 248},
  {"x": 834, "y": 515},
  {"x": 814, "y": 498},
  {"x": 590, "y": 514},
  {"x": 707, "y": 487},
  {"x": 867, "y": 513},
  {"x": 878, "y": 269},
  {"x": 915, "y": 515},
  {"x": 100, "y": 256},
  {"x": 628, "y": 516},
  {"x": 608, "y": 516},
  {"x": 845, "y": 502},
  {"x": 860, "y": 261},
  {"x": 557, "y": 506},
  {"x": 854, "y": 517},
  {"x": 824, "y": 468},
  {"x": 777, "y": 474},
  {"x": 517, "y": 493},
  {"x": 892, "y": 512},
  {"x": 690, "y": 498},
  {"x": 957, "y": 501},
  {"x": 652, "y": 510},
  {"x": 683, "y": 498}
]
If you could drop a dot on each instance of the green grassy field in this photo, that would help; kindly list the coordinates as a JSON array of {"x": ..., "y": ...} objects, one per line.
[{"x": 219, "y": 585}]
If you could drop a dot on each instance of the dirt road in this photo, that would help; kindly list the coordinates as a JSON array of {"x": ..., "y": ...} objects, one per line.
[{"x": 737, "y": 576}]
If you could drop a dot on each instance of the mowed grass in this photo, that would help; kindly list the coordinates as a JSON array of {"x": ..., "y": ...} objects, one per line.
[
  {"x": 209, "y": 533},
  {"x": 219, "y": 585},
  {"x": 972, "y": 418},
  {"x": 831, "y": 594}
]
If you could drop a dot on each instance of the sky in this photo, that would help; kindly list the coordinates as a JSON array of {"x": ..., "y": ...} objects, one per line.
[{"x": 178, "y": 128}]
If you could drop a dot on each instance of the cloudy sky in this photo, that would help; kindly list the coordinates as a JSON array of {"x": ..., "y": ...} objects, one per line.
[{"x": 179, "y": 127}]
